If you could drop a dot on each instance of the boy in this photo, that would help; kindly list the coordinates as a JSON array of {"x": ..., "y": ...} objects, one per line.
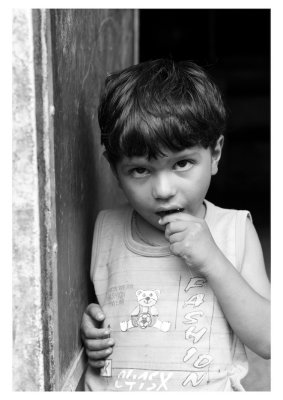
[{"x": 182, "y": 282}]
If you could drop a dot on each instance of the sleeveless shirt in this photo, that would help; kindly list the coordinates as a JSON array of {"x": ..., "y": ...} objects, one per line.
[{"x": 169, "y": 330}]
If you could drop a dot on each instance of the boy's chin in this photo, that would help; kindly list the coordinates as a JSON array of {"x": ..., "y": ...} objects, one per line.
[
  {"x": 154, "y": 223},
  {"x": 160, "y": 227}
]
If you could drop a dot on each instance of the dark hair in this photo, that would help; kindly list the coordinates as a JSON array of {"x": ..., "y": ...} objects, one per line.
[{"x": 159, "y": 104}]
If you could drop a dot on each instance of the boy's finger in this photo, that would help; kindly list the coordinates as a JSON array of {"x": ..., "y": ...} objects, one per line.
[
  {"x": 183, "y": 216},
  {"x": 98, "y": 354},
  {"x": 176, "y": 237},
  {"x": 90, "y": 332},
  {"x": 174, "y": 227},
  {"x": 175, "y": 248},
  {"x": 96, "y": 364},
  {"x": 95, "y": 312},
  {"x": 97, "y": 345}
]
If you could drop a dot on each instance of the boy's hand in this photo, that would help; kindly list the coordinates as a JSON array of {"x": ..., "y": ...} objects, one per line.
[
  {"x": 96, "y": 341},
  {"x": 190, "y": 238}
]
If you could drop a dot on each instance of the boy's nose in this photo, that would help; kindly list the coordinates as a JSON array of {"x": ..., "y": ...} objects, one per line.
[{"x": 163, "y": 187}]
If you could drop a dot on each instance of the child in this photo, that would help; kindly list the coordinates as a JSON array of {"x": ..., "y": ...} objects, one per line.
[{"x": 181, "y": 281}]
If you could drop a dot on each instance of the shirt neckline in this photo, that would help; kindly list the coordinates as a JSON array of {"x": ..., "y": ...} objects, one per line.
[{"x": 145, "y": 249}]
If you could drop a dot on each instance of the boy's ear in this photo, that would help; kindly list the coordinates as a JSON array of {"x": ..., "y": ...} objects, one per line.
[{"x": 216, "y": 155}]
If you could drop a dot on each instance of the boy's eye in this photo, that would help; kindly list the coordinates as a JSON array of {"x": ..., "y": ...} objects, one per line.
[
  {"x": 183, "y": 165},
  {"x": 139, "y": 172}
]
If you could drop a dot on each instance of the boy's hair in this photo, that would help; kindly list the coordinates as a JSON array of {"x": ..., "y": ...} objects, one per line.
[{"x": 158, "y": 105}]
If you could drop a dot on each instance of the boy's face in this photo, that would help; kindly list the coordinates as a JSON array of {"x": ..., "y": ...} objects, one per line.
[{"x": 177, "y": 180}]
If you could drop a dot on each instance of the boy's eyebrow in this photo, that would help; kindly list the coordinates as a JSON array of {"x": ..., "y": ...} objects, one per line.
[
  {"x": 145, "y": 161},
  {"x": 184, "y": 154}
]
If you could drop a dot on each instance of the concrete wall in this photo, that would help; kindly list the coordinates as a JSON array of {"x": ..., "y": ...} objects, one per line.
[{"x": 28, "y": 371}]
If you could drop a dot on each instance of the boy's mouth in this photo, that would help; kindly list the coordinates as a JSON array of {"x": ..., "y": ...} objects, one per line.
[{"x": 168, "y": 212}]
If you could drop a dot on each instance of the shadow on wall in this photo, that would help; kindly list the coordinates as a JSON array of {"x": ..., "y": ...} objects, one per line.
[{"x": 86, "y": 45}]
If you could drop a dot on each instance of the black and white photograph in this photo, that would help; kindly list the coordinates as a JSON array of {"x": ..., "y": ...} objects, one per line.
[{"x": 141, "y": 199}]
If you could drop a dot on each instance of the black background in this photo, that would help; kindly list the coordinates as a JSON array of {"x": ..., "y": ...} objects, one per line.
[{"x": 234, "y": 47}]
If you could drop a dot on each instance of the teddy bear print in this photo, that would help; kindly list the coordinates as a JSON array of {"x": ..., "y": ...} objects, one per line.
[{"x": 145, "y": 314}]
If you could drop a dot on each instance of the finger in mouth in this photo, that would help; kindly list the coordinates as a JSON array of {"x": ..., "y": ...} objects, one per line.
[{"x": 168, "y": 212}]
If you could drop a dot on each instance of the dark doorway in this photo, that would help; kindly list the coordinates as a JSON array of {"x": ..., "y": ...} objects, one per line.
[{"x": 234, "y": 46}]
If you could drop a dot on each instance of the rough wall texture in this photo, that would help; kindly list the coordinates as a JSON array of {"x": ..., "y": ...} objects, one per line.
[
  {"x": 86, "y": 45},
  {"x": 60, "y": 180},
  {"x": 27, "y": 323}
]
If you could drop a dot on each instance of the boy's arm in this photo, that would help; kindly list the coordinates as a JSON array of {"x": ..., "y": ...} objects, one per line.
[
  {"x": 244, "y": 298},
  {"x": 96, "y": 340}
]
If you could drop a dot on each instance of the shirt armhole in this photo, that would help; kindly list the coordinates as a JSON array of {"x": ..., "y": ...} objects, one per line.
[
  {"x": 240, "y": 236},
  {"x": 96, "y": 242}
]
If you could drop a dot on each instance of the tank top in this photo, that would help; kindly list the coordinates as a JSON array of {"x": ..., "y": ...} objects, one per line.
[{"x": 169, "y": 330}]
